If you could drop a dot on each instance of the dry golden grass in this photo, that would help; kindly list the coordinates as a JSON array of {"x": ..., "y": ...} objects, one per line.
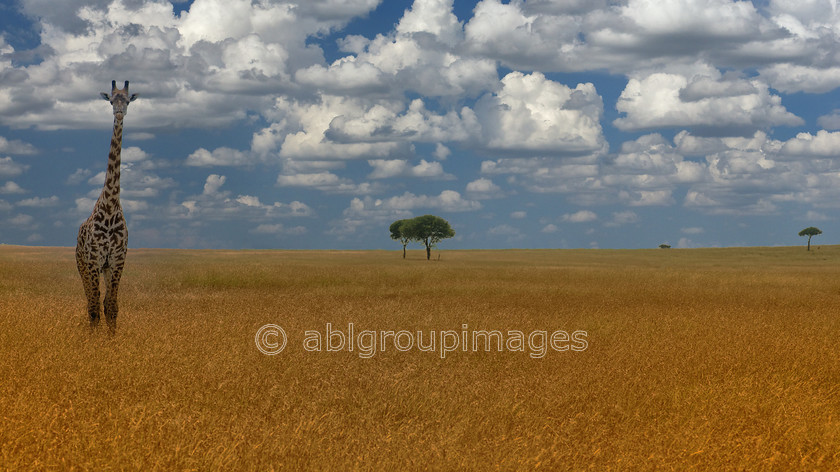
[{"x": 713, "y": 359}]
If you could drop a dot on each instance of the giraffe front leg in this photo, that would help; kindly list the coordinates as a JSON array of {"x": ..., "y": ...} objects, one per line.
[{"x": 112, "y": 289}]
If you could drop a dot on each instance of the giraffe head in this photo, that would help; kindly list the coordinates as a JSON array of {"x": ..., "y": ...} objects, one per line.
[{"x": 119, "y": 99}]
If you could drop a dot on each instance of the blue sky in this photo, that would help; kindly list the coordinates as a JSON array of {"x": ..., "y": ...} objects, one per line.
[{"x": 315, "y": 124}]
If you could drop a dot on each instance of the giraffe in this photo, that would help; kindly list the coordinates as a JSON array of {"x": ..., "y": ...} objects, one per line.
[{"x": 102, "y": 243}]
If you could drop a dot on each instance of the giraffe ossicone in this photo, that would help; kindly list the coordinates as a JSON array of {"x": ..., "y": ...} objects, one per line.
[{"x": 103, "y": 238}]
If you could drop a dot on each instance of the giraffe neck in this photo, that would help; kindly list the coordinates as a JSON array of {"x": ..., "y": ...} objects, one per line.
[{"x": 111, "y": 191}]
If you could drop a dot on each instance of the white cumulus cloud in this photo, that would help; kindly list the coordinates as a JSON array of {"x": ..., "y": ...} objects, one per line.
[
  {"x": 703, "y": 99},
  {"x": 582, "y": 216},
  {"x": 533, "y": 113}
]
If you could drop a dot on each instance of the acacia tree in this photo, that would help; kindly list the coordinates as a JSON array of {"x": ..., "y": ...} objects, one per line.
[
  {"x": 430, "y": 229},
  {"x": 401, "y": 231},
  {"x": 427, "y": 229},
  {"x": 810, "y": 231}
]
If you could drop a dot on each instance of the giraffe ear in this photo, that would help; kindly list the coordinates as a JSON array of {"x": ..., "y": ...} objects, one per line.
[
  {"x": 105, "y": 96},
  {"x": 133, "y": 97}
]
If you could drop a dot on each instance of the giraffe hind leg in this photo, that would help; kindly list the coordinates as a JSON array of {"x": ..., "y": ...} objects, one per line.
[
  {"x": 90, "y": 281},
  {"x": 89, "y": 273},
  {"x": 112, "y": 280}
]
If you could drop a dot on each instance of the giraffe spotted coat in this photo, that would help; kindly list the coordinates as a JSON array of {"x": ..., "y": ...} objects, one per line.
[{"x": 102, "y": 243}]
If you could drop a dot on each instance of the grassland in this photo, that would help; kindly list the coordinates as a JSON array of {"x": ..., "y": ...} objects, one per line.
[{"x": 711, "y": 359}]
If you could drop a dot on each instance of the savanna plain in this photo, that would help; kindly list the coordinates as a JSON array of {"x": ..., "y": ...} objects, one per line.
[{"x": 702, "y": 359}]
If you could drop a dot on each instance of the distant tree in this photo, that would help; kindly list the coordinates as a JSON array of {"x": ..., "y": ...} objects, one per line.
[
  {"x": 810, "y": 232},
  {"x": 401, "y": 231},
  {"x": 430, "y": 229},
  {"x": 664, "y": 246}
]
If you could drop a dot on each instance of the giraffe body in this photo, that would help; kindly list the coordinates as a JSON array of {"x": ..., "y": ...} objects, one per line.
[{"x": 103, "y": 238}]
